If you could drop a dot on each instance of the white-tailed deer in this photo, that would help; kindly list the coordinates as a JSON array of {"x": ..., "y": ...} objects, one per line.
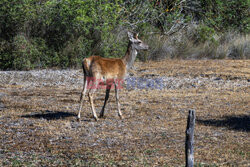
[{"x": 96, "y": 68}]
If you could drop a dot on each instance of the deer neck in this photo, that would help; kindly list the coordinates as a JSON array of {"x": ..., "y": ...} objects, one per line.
[{"x": 130, "y": 56}]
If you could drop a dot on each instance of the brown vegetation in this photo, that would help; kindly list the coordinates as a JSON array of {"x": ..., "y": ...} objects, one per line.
[
  {"x": 38, "y": 117},
  {"x": 186, "y": 44}
]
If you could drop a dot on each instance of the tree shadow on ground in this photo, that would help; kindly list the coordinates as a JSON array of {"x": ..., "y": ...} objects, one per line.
[
  {"x": 238, "y": 123},
  {"x": 50, "y": 115}
]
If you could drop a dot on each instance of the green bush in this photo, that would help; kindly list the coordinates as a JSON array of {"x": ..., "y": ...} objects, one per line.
[
  {"x": 60, "y": 33},
  {"x": 25, "y": 54},
  {"x": 224, "y": 15},
  {"x": 73, "y": 52}
]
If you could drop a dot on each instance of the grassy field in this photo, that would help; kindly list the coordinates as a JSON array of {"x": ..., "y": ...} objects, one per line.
[{"x": 38, "y": 125}]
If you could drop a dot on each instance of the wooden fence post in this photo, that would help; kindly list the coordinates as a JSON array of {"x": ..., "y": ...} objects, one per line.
[{"x": 189, "y": 147}]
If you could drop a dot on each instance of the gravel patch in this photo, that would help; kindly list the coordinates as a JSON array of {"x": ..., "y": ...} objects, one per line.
[{"x": 74, "y": 79}]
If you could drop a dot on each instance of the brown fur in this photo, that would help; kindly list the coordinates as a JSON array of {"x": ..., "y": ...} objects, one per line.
[{"x": 99, "y": 67}]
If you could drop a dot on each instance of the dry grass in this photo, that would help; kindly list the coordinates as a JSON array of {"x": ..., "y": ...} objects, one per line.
[
  {"x": 38, "y": 124},
  {"x": 185, "y": 44}
]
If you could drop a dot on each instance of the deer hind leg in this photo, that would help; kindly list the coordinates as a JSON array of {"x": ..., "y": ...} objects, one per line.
[
  {"x": 117, "y": 100},
  {"x": 85, "y": 83},
  {"x": 105, "y": 101},
  {"x": 91, "y": 96}
]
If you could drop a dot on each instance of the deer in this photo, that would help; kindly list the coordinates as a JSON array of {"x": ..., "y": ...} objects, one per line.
[{"x": 109, "y": 71}]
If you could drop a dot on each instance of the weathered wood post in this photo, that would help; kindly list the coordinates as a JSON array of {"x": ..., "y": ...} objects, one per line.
[
  {"x": 1, "y": 103},
  {"x": 189, "y": 147}
]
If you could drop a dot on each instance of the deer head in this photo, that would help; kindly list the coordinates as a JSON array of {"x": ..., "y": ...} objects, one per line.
[{"x": 136, "y": 43}]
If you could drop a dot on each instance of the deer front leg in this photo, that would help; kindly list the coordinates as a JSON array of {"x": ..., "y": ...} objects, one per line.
[
  {"x": 91, "y": 96},
  {"x": 105, "y": 101},
  {"x": 82, "y": 97},
  {"x": 117, "y": 100}
]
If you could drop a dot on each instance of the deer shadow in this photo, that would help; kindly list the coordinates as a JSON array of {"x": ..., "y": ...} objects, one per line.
[
  {"x": 50, "y": 115},
  {"x": 238, "y": 123}
]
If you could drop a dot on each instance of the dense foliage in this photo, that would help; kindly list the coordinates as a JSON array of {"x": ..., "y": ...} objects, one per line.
[{"x": 59, "y": 33}]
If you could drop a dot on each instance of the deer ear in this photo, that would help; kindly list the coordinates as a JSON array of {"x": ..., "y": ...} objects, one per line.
[
  {"x": 136, "y": 35},
  {"x": 130, "y": 35}
]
